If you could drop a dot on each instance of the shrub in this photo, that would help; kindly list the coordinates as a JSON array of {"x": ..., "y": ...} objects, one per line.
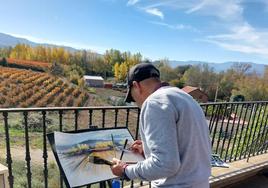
[
  {"x": 35, "y": 123},
  {"x": 3, "y": 62}
]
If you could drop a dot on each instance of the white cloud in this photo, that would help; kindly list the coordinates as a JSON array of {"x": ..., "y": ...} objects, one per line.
[
  {"x": 155, "y": 12},
  {"x": 167, "y": 3},
  {"x": 230, "y": 10},
  {"x": 175, "y": 27},
  {"x": 132, "y": 2},
  {"x": 196, "y": 7},
  {"x": 243, "y": 38},
  {"x": 225, "y": 10}
]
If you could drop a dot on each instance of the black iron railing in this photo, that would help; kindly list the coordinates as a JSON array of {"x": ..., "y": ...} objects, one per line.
[
  {"x": 69, "y": 119},
  {"x": 238, "y": 130}
]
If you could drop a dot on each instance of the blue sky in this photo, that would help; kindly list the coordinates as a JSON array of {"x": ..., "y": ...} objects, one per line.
[{"x": 204, "y": 30}]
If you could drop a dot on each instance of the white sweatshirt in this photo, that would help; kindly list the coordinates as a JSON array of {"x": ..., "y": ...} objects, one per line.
[{"x": 175, "y": 139}]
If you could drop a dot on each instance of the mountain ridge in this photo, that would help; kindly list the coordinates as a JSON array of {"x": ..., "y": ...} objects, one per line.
[
  {"x": 218, "y": 67},
  {"x": 7, "y": 40}
]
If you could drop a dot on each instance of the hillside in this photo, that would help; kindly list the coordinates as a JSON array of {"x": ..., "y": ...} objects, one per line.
[
  {"x": 11, "y": 41},
  {"x": 8, "y": 40},
  {"x": 25, "y": 88}
]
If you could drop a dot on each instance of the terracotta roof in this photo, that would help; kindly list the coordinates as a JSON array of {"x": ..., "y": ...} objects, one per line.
[{"x": 189, "y": 89}]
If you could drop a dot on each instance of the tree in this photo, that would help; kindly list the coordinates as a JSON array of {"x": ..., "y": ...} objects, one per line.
[
  {"x": 100, "y": 68},
  {"x": 56, "y": 69},
  {"x": 203, "y": 77},
  {"x": 177, "y": 83},
  {"x": 20, "y": 51},
  {"x": 113, "y": 56},
  {"x": 225, "y": 86},
  {"x": 180, "y": 70},
  {"x": 120, "y": 71},
  {"x": 123, "y": 71},
  {"x": 167, "y": 73},
  {"x": 252, "y": 87},
  {"x": 241, "y": 68},
  {"x": 5, "y": 52},
  {"x": 117, "y": 71}
]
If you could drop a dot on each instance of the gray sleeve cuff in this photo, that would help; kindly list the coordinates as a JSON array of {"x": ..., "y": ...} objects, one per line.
[
  {"x": 129, "y": 170},
  {"x": 132, "y": 172}
]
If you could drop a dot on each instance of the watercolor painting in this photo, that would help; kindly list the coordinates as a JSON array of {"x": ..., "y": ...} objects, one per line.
[{"x": 86, "y": 157}]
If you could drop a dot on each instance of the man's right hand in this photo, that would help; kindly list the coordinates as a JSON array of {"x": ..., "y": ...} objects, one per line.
[{"x": 136, "y": 147}]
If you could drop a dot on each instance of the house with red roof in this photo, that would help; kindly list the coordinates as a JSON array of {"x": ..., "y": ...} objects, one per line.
[{"x": 196, "y": 93}]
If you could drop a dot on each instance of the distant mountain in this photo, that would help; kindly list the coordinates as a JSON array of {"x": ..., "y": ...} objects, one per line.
[
  {"x": 11, "y": 41},
  {"x": 8, "y": 40},
  {"x": 218, "y": 67}
]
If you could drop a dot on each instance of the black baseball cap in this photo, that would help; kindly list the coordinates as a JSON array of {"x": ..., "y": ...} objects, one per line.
[{"x": 139, "y": 73}]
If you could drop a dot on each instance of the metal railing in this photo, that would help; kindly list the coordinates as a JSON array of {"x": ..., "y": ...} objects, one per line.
[
  {"x": 238, "y": 130},
  {"x": 75, "y": 118}
]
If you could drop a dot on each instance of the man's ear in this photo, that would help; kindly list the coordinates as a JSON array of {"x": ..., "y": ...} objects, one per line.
[{"x": 136, "y": 85}]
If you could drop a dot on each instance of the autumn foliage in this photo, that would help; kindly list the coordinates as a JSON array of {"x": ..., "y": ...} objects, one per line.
[{"x": 34, "y": 65}]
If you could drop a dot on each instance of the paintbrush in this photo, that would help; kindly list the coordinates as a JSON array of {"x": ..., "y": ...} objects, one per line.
[
  {"x": 101, "y": 161},
  {"x": 113, "y": 145},
  {"x": 125, "y": 144}
]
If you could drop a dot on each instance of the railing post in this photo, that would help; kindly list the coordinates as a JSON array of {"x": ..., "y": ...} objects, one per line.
[
  {"x": 76, "y": 120},
  {"x": 246, "y": 139},
  {"x": 236, "y": 132},
  {"x": 255, "y": 130},
  {"x": 231, "y": 134},
  {"x": 221, "y": 128},
  {"x": 242, "y": 131},
  {"x": 90, "y": 118},
  {"x": 27, "y": 147},
  {"x": 8, "y": 159},
  {"x": 215, "y": 128},
  {"x": 103, "y": 118},
  {"x": 60, "y": 126},
  {"x": 45, "y": 156},
  {"x": 127, "y": 118},
  {"x": 226, "y": 131},
  {"x": 115, "y": 118},
  {"x": 211, "y": 117},
  {"x": 60, "y": 120}
]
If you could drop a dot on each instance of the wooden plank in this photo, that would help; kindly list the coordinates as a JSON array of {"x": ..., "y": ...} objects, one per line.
[{"x": 3, "y": 176}]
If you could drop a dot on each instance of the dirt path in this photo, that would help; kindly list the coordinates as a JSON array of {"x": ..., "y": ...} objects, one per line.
[{"x": 18, "y": 153}]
